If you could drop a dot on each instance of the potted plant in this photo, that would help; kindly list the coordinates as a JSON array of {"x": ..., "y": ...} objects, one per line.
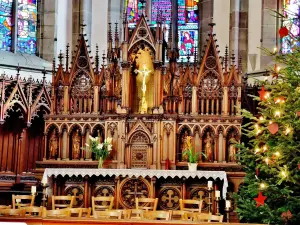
[
  {"x": 192, "y": 157},
  {"x": 101, "y": 150}
]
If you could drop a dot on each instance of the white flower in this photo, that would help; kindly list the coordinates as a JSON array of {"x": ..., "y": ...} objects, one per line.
[
  {"x": 87, "y": 145},
  {"x": 108, "y": 140},
  {"x": 99, "y": 146},
  {"x": 91, "y": 138},
  {"x": 109, "y": 147}
]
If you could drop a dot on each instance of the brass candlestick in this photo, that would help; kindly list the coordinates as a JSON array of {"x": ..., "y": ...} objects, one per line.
[
  {"x": 217, "y": 205},
  {"x": 227, "y": 210},
  {"x": 210, "y": 190},
  {"x": 44, "y": 199}
]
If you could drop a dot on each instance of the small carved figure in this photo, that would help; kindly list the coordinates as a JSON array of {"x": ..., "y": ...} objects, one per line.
[
  {"x": 208, "y": 147},
  {"x": 184, "y": 145},
  {"x": 76, "y": 145},
  {"x": 231, "y": 148},
  {"x": 53, "y": 145}
]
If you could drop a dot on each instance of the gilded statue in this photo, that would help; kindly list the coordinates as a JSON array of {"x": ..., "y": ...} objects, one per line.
[
  {"x": 53, "y": 145},
  {"x": 208, "y": 147},
  {"x": 184, "y": 145},
  {"x": 76, "y": 145},
  {"x": 231, "y": 148}
]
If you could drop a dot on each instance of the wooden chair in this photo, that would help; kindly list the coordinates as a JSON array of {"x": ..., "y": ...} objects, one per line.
[
  {"x": 5, "y": 206},
  {"x": 202, "y": 217},
  {"x": 148, "y": 204},
  {"x": 34, "y": 211},
  {"x": 215, "y": 218},
  {"x": 126, "y": 213},
  {"x": 63, "y": 202},
  {"x": 12, "y": 212},
  {"x": 157, "y": 215},
  {"x": 57, "y": 213},
  {"x": 80, "y": 212},
  {"x": 18, "y": 201},
  {"x": 178, "y": 215},
  {"x": 105, "y": 203},
  {"x": 197, "y": 203},
  {"x": 136, "y": 214},
  {"x": 109, "y": 214}
]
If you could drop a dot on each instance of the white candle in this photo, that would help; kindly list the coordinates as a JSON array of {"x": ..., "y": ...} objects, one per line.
[
  {"x": 228, "y": 204},
  {"x": 18, "y": 200},
  {"x": 209, "y": 184},
  {"x": 44, "y": 181},
  {"x": 217, "y": 194},
  {"x": 33, "y": 190}
]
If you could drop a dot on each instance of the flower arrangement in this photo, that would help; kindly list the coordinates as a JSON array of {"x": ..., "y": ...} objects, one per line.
[
  {"x": 101, "y": 150},
  {"x": 192, "y": 156}
]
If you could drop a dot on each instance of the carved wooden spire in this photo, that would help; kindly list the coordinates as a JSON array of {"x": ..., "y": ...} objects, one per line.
[
  {"x": 232, "y": 58},
  {"x": 60, "y": 57},
  {"x": 226, "y": 59},
  {"x": 117, "y": 40},
  {"x": 97, "y": 59},
  {"x": 110, "y": 40},
  {"x": 67, "y": 57},
  {"x": 53, "y": 66}
]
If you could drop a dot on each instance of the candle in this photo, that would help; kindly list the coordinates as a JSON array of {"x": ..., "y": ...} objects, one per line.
[
  {"x": 217, "y": 194},
  {"x": 209, "y": 184},
  {"x": 228, "y": 204},
  {"x": 44, "y": 181},
  {"x": 18, "y": 200},
  {"x": 33, "y": 190}
]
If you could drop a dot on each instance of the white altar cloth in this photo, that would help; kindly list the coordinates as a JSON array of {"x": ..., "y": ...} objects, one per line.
[{"x": 137, "y": 173}]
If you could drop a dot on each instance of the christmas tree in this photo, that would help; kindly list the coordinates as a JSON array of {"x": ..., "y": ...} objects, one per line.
[{"x": 271, "y": 189}]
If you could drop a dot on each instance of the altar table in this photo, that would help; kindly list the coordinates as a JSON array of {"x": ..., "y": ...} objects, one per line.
[{"x": 127, "y": 184}]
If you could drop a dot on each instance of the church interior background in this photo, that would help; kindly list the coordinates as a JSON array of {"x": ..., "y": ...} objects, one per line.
[{"x": 145, "y": 73}]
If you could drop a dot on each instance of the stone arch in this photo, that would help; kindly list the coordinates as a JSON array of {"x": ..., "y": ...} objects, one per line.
[
  {"x": 63, "y": 126},
  {"x": 185, "y": 126},
  {"x": 220, "y": 128},
  {"x": 71, "y": 128},
  {"x": 195, "y": 128},
  {"x": 208, "y": 127}
]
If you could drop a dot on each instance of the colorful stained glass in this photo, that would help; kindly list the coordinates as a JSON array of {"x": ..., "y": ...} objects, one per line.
[
  {"x": 133, "y": 10},
  {"x": 165, "y": 6},
  {"x": 188, "y": 26},
  {"x": 27, "y": 19},
  {"x": 5, "y": 24},
  {"x": 292, "y": 11}
]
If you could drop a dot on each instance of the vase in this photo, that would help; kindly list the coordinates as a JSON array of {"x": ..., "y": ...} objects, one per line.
[
  {"x": 100, "y": 163},
  {"x": 192, "y": 166}
]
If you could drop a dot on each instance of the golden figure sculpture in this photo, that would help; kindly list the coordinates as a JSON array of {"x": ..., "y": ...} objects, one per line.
[
  {"x": 208, "y": 147},
  {"x": 53, "y": 145},
  {"x": 231, "y": 148},
  {"x": 184, "y": 145},
  {"x": 76, "y": 145}
]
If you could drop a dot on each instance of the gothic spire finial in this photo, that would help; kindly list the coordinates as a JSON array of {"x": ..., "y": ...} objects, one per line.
[
  {"x": 97, "y": 58},
  {"x": 232, "y": 58},
  {"x": 53, "y": 65},
  {"x": 226, "y": 59},
  {"x": 60, "y": 57},
  {"x": 103, "y": 59},
  {"x": 212, "y": 24},
  {"x": 67, "y": 57},
  {"x": 82, "y": 27},
  {"x": 18, "y": 71},
  {"x": 44, "y": 74}
]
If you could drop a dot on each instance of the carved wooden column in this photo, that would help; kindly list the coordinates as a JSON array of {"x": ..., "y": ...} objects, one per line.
[
  {"x": 201, "y": 141},
  {"x": 45, "y": 147},
  {"x": 68, "y": 147},
  {"x": 180, "y": 103},
  {"x": 87, "y": 152},
  {"x": 194, "y": 101},
  {"x": 117, "y": 194},
  {"x": 125, "y": 83},
  {"x": 184, "y": 188},
  {"x": 60, "y": 144},
  {"x": 82, "y": 146},
  {"x": 64, "y": 144},
  {"x": 225, "y": 101},
  {"x": 202, "y": 106},
  {"x": 238, "y": 102},
  {"x": 66, "y": 99},
  {"x": 224, "y": 147},
  {"x": 54, "y": 180},
  {"x": 217, "y": 148},
  {"x": 86, "y": 191},
  {"x": 153, "y": 182}
]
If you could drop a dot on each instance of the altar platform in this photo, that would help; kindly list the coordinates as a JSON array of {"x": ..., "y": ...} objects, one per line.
[{"x": 126, "y": 184}]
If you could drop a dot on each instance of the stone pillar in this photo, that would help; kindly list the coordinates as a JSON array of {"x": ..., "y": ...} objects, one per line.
[
  {"x": 48, "y": 28},
  {"x": 206, "y": 13},
  {"x": 82, "y": 14},
  {"x": 194, "y": 101}
]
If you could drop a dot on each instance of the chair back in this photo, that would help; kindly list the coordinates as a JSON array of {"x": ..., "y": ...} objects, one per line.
[
  {"x": 109, "y": 214},
  {"x": 215, "y": 218},
  {"x": 13, "y": 212},
  {"x": 34, "y": 211},
  {"x": 19, "y": 201},
  {"x": 5, "y": 206},
  {"x": 62, "y": 202},
  {"x": 148, "y": 204},
  {"x": 80, "y": 212},
  {"x": 178, "y": 215},
  {"x": 57, "y": 213},
  {"x": 195, "y": 205},
  {"x": 202, "y": 217},
  {"x": 102, "y": 203},
  {"x": 157, "y": 215},
  {"x": 126, "y": 213},
  {"x": 136, "y": 214}
]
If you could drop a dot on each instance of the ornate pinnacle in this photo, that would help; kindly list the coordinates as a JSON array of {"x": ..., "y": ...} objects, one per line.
[
  {"x": 232, "y": 58},
  {"x": 195, "y": 56},
  {"x": 103, "y": 59},
  {"x": 18, "y": 71},
  {"x": 116, "y": 32},
  {"x": 53, "y": 65},
  {"x": 109, "y": 32},
  {"x": 44, "y": 74},
  {"x": 67, "y": 56},
  {"x": 226, "y": 58},
  {"x": 212, "y": 24},
  {"x": 60, "y": 57},
  {"x": 82, "y": 27},
  {"x": 97, "y": 58}
]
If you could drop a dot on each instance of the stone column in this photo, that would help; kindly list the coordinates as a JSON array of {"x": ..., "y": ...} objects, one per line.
[{"x": 82, "y": 14}]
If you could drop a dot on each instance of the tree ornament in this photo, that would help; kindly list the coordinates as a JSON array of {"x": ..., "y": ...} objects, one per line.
[
  {"x": 283, "y": 32},
  {"x": 256, "y": 172},
  {"x": 273, "y": 128},
  {"x": 298, "y": 113},
  {"x": 286, "y": 215},
  {"x": 260, "y": 200},
  {"x": 280, "y": 99},
  {"x": 263, "y": 93}
]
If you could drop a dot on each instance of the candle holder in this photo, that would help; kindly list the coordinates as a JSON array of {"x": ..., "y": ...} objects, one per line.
[
  {"x": 227, "y": 210},
  {"x": 217, "y": 205},
  {"x": 44, "y": 199},
  {"x": 210, "y": 190}
]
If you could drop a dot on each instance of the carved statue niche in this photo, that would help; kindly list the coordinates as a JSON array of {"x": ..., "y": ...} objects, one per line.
[
  {"x": 208, "y": 146},
  {"x": 231, "y": 148},
  {"x": 76, "y": 144},
  {"x": 53, "y": 145},
  {"x": 183, "y": 143}
]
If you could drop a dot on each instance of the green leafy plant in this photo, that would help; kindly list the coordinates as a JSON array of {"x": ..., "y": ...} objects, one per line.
[
  {"x": 192, "y": 156},
  {"x": 101, "y": 150}
]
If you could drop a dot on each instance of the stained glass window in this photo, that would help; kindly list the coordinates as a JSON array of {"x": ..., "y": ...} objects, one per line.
[
  {"x": 165, "y": 6},
  {"x": 134, "y": 9},
  {"x": 27, "y": 19},
  {"x": 188, "y": 26},
  {"x": 292, "y": 23},
  {"x": 5, "y": 24}
]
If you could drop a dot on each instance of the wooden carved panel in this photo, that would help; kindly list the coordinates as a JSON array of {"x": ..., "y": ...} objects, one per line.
[
  {"x": 139, "y": 156},
  {"x": 169, "y": 198},
  {"x": 78, "y": 192}
]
